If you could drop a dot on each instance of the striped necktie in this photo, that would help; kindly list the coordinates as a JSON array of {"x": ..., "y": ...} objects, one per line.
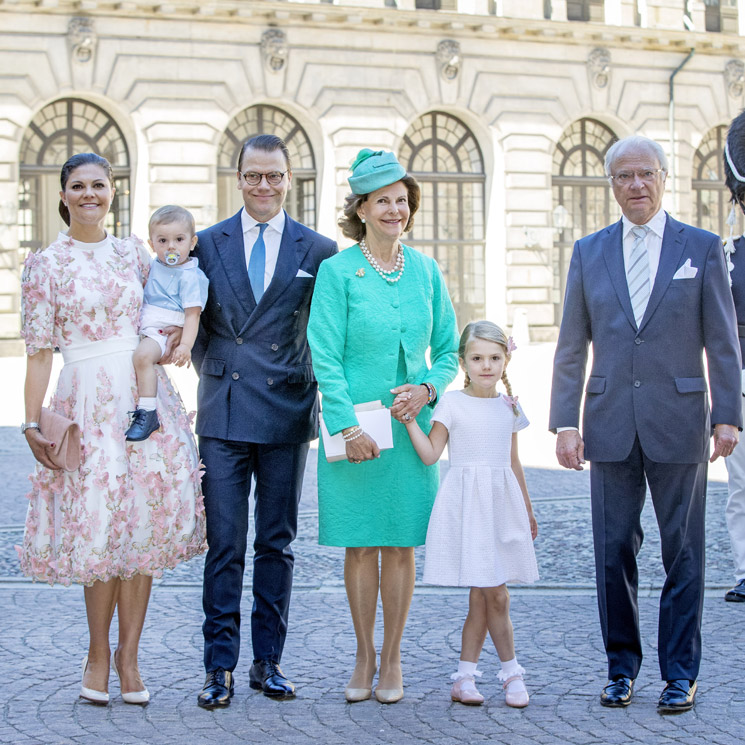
[
  {"x": 257, "y": 264},
  {"x": 637, "y": 275}
]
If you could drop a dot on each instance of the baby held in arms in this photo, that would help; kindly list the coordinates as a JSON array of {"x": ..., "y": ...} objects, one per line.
[{"x": 175, "y": 295}]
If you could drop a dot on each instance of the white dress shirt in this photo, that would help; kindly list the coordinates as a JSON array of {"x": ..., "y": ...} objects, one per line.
[
  {"x": 272, "y": 239},
  {"x": 653, "y": 242}
]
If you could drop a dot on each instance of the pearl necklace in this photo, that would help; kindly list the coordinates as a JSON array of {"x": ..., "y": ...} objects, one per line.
[{"x": 385, "y": 274}]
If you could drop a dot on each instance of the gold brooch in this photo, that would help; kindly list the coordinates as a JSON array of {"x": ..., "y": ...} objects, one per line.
[{"x": 360, "y": 272}]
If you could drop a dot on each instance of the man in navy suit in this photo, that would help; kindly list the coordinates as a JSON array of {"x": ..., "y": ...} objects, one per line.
[
  {"x": 257, "y": 412},
  {"x": 651, "y": 294}
]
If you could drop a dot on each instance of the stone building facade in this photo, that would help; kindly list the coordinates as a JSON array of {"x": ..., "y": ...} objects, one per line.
[{"x": 502, "y": 108}]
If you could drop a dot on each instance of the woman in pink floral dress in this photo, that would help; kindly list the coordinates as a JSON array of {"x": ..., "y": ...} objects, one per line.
[{"x": 131, "y": 509}]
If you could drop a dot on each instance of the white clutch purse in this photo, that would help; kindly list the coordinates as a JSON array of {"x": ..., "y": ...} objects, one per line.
[{"x": 373, "y": 417}]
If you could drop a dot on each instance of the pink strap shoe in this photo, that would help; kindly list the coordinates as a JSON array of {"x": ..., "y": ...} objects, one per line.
[
  {"x": 515, "y": 693},
  {"x": 464, "y": 689}
]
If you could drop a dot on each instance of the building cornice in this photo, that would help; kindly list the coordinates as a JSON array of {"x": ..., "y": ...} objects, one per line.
[{"x": 392, "y": 20}]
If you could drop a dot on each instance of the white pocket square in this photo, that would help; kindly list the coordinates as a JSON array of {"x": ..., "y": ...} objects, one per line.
[
  {"x": 301, "y": 273},
  {"x": 686, "y": 271}
]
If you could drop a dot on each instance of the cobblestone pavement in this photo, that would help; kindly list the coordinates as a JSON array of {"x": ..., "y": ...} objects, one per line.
[{"x": 43, "y": 638}]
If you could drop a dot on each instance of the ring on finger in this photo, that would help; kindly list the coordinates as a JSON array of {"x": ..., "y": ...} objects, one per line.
[{"x": 407, "y": 417}]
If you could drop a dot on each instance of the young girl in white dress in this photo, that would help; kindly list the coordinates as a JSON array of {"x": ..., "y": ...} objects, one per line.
[{"x": 482, "y": 527}]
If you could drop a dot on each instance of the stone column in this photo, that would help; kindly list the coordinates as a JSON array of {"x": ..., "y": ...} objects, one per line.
[{"x": 528, "y": 237}]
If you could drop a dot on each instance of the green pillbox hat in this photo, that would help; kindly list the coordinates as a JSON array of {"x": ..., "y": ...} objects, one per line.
[{"x": 373, "y": 170}]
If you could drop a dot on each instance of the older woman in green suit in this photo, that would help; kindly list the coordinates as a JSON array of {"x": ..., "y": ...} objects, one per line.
[{"x": 377, "y": 308}]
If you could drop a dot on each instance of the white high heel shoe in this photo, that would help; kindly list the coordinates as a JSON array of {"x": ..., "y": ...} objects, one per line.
[
  {"x": 134, "y": 697},
  {"x": 95, "y": 697}
]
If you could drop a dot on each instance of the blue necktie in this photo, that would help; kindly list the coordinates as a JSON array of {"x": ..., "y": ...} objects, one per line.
[{"x": 257, "y": 264}]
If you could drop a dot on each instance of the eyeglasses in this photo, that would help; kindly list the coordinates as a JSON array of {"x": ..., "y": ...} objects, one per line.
[
  {"x": 273, "y": 178},
  {"x": 624, "y": 178}
]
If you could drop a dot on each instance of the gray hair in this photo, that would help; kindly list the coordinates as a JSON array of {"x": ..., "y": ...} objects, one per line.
[{"x": 634, "y": 142}]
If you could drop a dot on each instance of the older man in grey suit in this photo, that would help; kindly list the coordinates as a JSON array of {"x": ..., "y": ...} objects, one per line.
[{"x": 650, "y": 294}]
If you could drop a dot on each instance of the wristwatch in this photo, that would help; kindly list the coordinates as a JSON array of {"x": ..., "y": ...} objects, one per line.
[{"x": 29, "y": 425}]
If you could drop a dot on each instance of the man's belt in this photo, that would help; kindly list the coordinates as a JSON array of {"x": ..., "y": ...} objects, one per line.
[{"x": 741, "y": 330}]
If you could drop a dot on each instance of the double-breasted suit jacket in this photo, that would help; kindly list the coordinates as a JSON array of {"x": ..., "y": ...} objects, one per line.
[{"x": 256, "y": 378}]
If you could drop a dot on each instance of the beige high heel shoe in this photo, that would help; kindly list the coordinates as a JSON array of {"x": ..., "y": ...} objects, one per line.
[
  {"x": 133, "y": 697},
  {"x": 353, "y": 695},
  {"x": 389, "y": 695}
]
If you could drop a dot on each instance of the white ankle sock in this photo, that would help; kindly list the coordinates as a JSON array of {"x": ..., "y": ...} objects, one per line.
[
  {"x": 510, "y": 667},
  {"x": 466, "y": 668},
  {"x": 147, "y": 403}
]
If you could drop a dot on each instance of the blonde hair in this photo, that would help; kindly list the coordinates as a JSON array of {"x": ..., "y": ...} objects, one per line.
[
  {"x": 172, "y": 213},
  {"x": 487, "y": 331}
]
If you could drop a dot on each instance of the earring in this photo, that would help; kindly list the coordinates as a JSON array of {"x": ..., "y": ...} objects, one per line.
[{"x": 363, "y": 220}]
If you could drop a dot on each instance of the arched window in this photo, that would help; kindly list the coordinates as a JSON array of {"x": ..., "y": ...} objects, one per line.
[
  {"x": 582, "y": 199},
  {"x": 301, "y": 199},
  {"x": 711, "y": 196},
  {"x": 443, "y": 155},
  {"x": 59, "y": 131}
]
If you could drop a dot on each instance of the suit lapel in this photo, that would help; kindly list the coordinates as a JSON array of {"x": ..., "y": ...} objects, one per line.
[
  {"x": 232, "y": 253},
  {"x": 613, "y": 252},
  {"x": 292, "y": 250},
  {"x": 673, "y": 243}
]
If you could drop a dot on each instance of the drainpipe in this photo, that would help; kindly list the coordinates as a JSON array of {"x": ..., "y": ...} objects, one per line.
[{"x": 671, "y": 125}]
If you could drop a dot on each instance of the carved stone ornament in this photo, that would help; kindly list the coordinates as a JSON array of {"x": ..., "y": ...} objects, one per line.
[
  {"x": 81, "y": 38},
  {"x": 274, "y": 49},
  {"x": 448, "y": 57},
  {"x": 734, "y": 77},
  {"x": 598, "y": 63}
]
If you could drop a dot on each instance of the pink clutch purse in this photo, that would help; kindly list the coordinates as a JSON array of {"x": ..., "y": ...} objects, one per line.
[{"x": 65, "y": 435}]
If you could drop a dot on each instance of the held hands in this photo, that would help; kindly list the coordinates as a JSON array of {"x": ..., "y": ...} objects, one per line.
[
  {"x": 40, "y": 447},
  {"x": 570, "y": 449},
  {"x": 181, "y": 355},
  {"x": 361, "y": 448},
  {"x": 174, "y": 339},
  {"x": 409, "y": 401},
  {"x": 726, "y": 438}
]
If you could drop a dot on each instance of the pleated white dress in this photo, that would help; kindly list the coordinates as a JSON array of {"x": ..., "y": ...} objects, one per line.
[{"x": 479, "y": 531}]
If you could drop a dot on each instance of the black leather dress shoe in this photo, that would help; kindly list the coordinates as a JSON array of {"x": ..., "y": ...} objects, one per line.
[
  {"x": 267, "y": 676},
  {"x": 617, "y": 692},
  {"x": 737, "y": 593},
  {"x": 218, "y": 689},
  {"x": 677, "y": 695}
]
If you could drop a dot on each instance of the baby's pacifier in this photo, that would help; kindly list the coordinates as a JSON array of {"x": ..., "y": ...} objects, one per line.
[{"x": 172, "y": 258}]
